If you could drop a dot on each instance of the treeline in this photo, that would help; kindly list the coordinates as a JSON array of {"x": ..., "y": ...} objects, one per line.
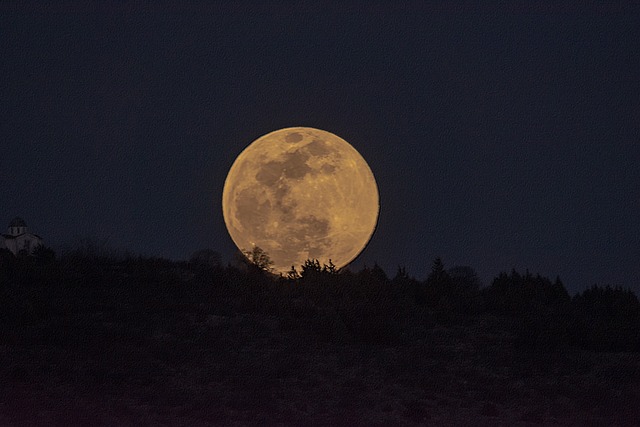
[{"x": 330, "y": 304}]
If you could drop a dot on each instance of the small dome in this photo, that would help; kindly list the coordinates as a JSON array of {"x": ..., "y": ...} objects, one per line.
[{"x": 17, "y": 222}]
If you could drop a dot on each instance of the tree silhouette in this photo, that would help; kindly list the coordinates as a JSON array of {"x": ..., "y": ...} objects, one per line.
[
  {"x": 401, "y": 275},
  {"x": 364, "y": 306},
  {"x": 515, "y": 294},
  {"x": 293, "y": 274},
  {"x": 206, "y": 258},
  {"x": 312, "y": 268},
  {"x": 606, "y": 318},
  {"x": 437, "y": 285},
  {"x": 438, "y": 274},
  {"x": 43, "y": 254},
  {"x": 537, "y": 309},
  {"x": 259, "y": 258},
  {"x": 464, "y": 278}
]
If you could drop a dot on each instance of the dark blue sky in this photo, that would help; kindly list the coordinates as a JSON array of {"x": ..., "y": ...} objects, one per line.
[{"x": 500, "y": 138}]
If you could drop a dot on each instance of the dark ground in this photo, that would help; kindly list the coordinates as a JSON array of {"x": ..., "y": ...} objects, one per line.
[{"x": 106, "y": 347}]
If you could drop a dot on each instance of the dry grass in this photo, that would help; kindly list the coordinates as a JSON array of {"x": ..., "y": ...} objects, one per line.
[
  {"x": 155, "y": 350},
  {"x": 192, "y": 368}
]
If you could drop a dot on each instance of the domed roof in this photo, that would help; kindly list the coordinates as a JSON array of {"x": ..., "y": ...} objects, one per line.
[{"x": 17, "y": 222}]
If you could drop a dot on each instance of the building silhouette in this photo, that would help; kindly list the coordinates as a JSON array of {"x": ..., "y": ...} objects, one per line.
[{"x": 18, "y": 237}]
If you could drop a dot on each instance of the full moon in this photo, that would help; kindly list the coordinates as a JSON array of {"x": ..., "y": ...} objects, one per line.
[{"x": 301, "y": 193}]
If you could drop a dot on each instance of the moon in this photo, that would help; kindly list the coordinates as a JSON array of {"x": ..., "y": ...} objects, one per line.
[{"x": 301, "y": 193}]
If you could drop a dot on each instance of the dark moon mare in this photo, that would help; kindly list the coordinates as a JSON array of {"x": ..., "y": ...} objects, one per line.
[{"x": 301, "y": 193}]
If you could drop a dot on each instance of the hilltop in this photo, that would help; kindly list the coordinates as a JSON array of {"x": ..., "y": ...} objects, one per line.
[{"x": 87, "y": 339}]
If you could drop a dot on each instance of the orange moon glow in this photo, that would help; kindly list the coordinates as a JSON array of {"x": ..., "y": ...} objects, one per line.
[{"x": 301, "y": 193}]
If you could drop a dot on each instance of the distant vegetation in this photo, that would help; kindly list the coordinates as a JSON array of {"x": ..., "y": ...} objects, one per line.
[
  {"x": 94, "y": 336},
  {"x": 334, "y": 305}
]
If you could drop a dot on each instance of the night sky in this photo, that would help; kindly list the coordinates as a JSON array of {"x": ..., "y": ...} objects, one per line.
[{"x": 500, "y": 138}]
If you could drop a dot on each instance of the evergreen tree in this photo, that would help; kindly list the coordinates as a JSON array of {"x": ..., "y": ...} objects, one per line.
[
  {"x": 606, "y": 318},
  {"x": 437, "y": 285}
]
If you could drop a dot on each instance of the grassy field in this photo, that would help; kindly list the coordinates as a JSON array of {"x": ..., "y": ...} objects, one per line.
[{"x": 176, "y": 351}]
